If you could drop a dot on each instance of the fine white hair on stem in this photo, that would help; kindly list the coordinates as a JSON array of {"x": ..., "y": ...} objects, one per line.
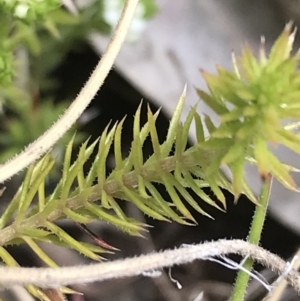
[
  {"x": 228, "y": 263},
  {"x": 54, "y": 277},
  {"x": 87, "y": 93}
]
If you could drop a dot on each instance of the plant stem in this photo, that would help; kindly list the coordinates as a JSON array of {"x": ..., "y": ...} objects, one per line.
[
  {"x": 141, "y": 265},
  {"x": 253, "y": 238},
  {"x": 36, "y": 149}
]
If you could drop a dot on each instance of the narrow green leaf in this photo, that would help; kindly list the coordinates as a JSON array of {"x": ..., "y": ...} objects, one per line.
[
  {"x": 96, "y": 249},
  {"x": 80, "y": 179},
  {"x": 78, "y": 166},
  {"x": 39, "y": 252},
  {"x": 73, "y": 171},
  {"x": 114, "y": 220},
  {"x": 136, "y": 147},
  {"x": 7, "y": 258},
  {"x": 118, "y": 146},
  {"x": 35, "y": 187},
  {"x": 73, "y": 243},
  {"x": 237, "y": 169},
  {"x": 261, "y": 154},
  {"x": 101, "y": 157},
  {"x": 40, "y": 165},
  {"x": 187, "y": 196},
  {"x": 146, "y": 128},
  {"x": 104, "y": 147},
  {"x": 104, "y": 200},
  {"x": 115, "y": 206},
  {"x": 179, "y": 144},
  {"x": 38, "y": 293},
  {"x": 199, "y": 128},
  {"x": 222, "y": 181},
  {"x": 187, "y": 127},
  {"x": 67, "y": 160},
  {"x": 92, "y": 174},
  {"x": 216, "y": 190},
  {"x": 34, "y": 232},
  {"x": 23, "y": 201},
  {"x": 143, "y": 135},
  {"x": 68, "y": 291},
  {"x": 217, "y": 107},
  {"x": 209, "y": 124},
  {"x": 139, "y": 202},
  {"x": 41, "y": 196},
  {"x": 25, "y": 186},
  {"x": 250, "y": 68},
  {"x": 153, "y": 134},
  {"x": 54, "y": 240},
  {"x": 137, "y": 121},
  {"x": 282, "y": 48},
  {"x": 141, "y": 187},
  {"x": 247, "y": 191},
  {"x": 193, "y": 185},
  {"x": 289, "y": 139},
  {"x": 175, "y": 198},
  {"x": 76, "y": 216},
  {"x": 164, "y": 205},
  {"x": 172, "y": 131},
  {"x": 151, "y": 203},
  {"x": 178, "y": 174},
  {"x": 10, "y": 210},
  {"x": 281, "y": 173}
]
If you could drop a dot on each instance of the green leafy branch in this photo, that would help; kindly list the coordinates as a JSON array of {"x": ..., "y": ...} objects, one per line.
[
  {"x": 132, "y": 179},
  {"x": 252, "y": 102},
  {"x": 75, "y": 197}
]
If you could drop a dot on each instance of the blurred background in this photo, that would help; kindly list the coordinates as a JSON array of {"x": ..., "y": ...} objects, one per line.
[{"x": 167, "y": 45}]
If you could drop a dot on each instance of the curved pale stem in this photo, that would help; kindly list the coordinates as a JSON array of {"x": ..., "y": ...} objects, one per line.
[
  {"x": 50, "y": 137},
  {"x": 144, "y": 265}
]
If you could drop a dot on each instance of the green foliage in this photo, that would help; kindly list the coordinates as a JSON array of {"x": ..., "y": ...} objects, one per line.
[
  {"x": 29, "y": 9},
  {"x": 19, "y": 89},
  {"x": 19, "y": 21},
  {"x": 84, "y": 197},
  {"x": 35, "y": 36},
  {"x": 253, "y": 103}
]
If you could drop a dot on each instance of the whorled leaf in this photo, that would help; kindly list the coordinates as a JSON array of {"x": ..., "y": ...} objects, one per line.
[{"x": 262, "y": 94}]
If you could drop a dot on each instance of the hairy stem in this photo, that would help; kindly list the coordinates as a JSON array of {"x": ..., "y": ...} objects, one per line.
[
  {"x": 254, "y": 238},
  {"x": 111, "y": 187},
  {"x": 87, "y": 93},
  {"x": 55, "y": 277}
]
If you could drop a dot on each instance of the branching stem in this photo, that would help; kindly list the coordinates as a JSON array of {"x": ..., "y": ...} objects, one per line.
[{"x": 87, "y": 93}]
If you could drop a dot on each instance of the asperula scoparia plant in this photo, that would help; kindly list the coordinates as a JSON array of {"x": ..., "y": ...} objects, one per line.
[{"x": 252, "y": 102}]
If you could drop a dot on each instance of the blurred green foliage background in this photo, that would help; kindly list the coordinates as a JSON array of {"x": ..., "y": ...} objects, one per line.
[{"x": 35, "y": 38}]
